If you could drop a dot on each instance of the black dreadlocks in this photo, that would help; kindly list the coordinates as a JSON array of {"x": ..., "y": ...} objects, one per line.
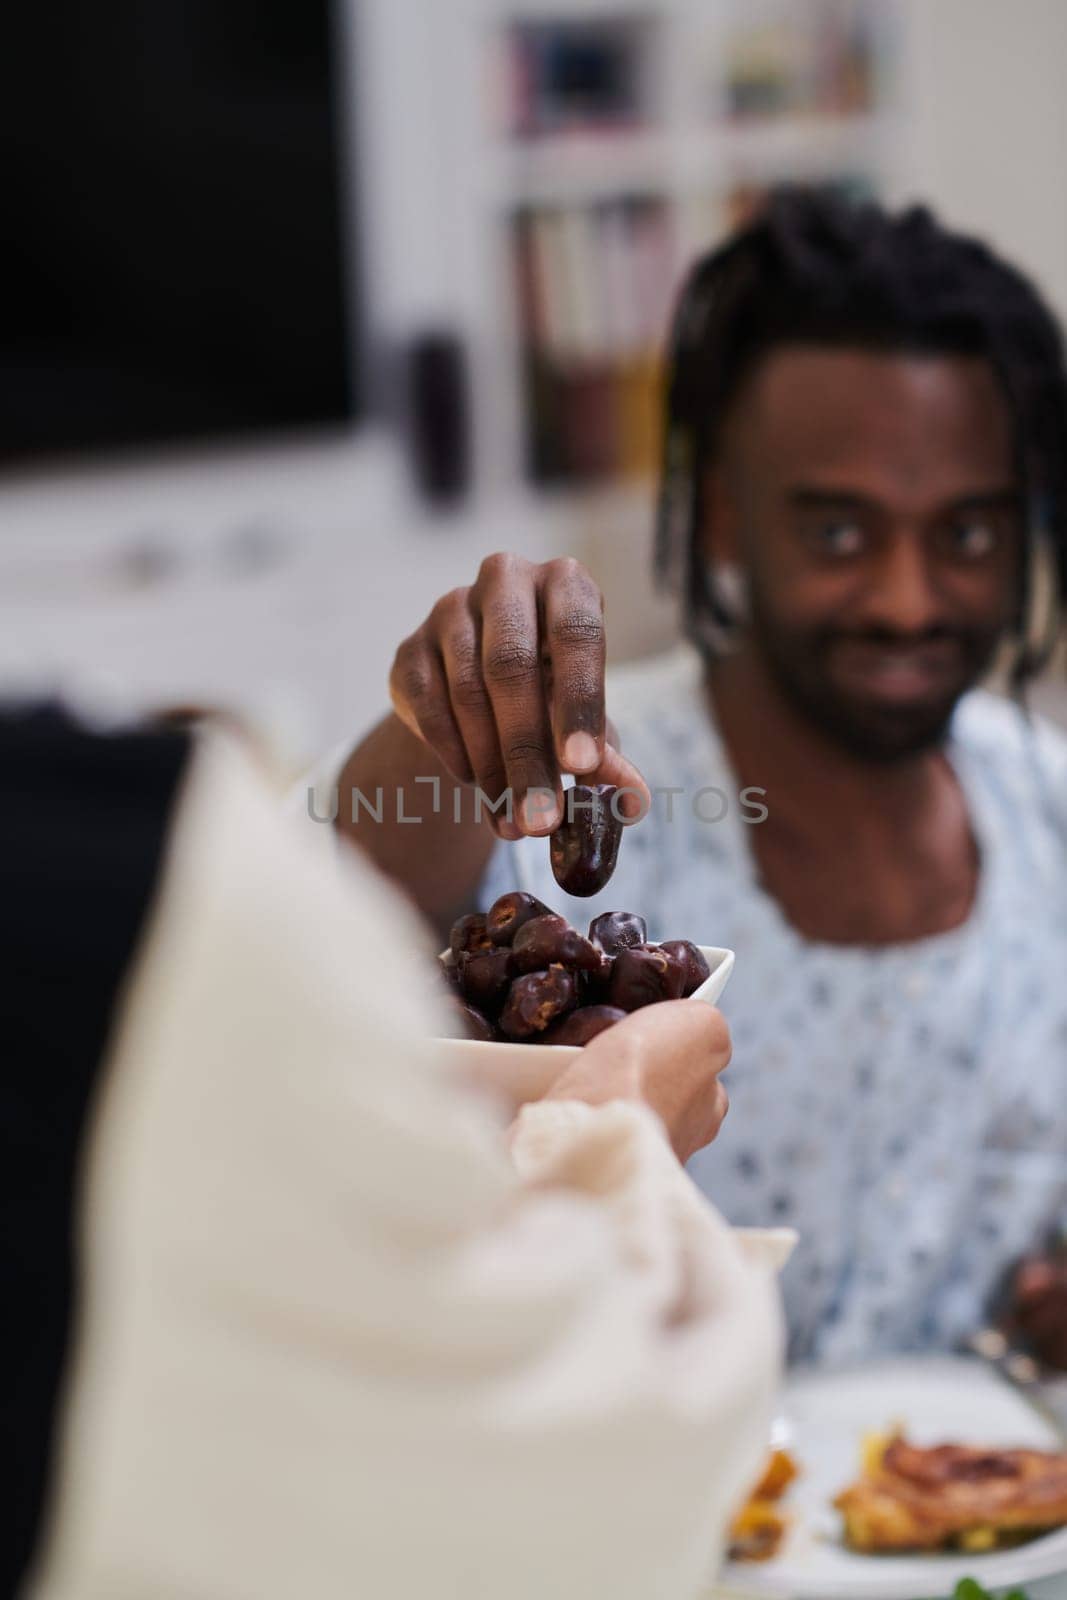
[{"x": 815, "y": 268}]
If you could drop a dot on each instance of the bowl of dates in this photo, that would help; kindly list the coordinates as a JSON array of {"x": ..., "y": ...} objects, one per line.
[{"x": 525, "y": 990}]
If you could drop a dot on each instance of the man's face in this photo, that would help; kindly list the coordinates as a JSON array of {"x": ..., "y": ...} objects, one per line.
[{"x": 873, "y": 502}]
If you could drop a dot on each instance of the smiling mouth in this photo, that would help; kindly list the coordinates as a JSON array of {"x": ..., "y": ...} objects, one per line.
[{"x": 899, "y": 674}]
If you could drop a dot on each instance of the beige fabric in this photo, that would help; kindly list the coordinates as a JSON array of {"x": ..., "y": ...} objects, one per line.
[{"x": 334, "y": 1344}]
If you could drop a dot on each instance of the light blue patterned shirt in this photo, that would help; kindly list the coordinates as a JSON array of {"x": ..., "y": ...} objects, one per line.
[{"x": 904, "y": 1107}]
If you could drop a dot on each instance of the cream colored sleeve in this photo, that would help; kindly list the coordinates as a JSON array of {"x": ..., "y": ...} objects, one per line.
[
  {"x": 335, "y": 1342},
  {"x": 314, "y": 800}
]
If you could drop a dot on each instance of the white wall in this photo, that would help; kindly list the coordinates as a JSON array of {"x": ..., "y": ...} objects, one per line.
[{"x": 986, "y": 81}]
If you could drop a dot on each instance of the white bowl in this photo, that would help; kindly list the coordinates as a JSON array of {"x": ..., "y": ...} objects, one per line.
[{"x": 521, "y": 1072}]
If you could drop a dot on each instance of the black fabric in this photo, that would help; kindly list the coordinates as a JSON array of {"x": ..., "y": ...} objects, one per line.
[{"x": 83, "y": 821}]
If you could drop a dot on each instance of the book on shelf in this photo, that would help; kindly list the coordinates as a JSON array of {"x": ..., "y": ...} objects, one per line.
[
  {"x": 575, "y": 76},
  {"x": 805, "y": 58},
  {"x": 594, "y": 285}
]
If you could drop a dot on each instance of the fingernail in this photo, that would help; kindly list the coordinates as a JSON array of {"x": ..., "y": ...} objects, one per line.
[
  {"x": 509, "y": 830},
  {"x": 539, "y": 810},
  {"x": 580, "y": 752}
]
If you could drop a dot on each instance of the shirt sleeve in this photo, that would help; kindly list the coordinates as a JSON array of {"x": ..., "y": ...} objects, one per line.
[
  {"x": 312, "y": 802},
  {"x": 335, "y": 1340}
]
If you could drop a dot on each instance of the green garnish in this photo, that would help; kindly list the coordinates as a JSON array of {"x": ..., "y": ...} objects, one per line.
[{"x": 971, "y": 1589}]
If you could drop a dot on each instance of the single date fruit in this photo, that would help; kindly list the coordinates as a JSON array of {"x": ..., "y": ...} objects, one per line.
[
  {"x": 694, "y": 968},
  {"x": 583, "y": 1025},
  {"x": 618, "y": 930},
  {"x": 470, "y": 1024},
  {"x": 642, "y": 977},
  {"x": 484, "y": 977},
  {"x": 584, "y": 848},
  {"x": 468, "y": 934},
  {"x": 537, "y": 1000},
  {"x": 545, "y": 941},
  {"x": 508, "y": 914}
]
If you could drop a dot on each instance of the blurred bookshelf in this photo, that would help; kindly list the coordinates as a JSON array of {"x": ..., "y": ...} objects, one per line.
[
  {"x": 593, "y": 285},
  {"x": 619, "y": 142}
]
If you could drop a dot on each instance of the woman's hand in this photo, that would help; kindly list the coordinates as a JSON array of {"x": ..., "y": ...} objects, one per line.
[
  {"x": 668, "y": 1057},
  {"x": 504, "y": 681}
]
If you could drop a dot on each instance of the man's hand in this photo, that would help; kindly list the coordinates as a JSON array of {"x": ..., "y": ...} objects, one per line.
[
  {"x": 1038, "y": 1298},
  {"x": 504, "y": 682},
  {"x": 666, "y": 1056}
]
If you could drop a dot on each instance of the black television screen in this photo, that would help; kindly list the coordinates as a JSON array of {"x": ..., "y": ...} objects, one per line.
[{"x": 175, "y": 263}]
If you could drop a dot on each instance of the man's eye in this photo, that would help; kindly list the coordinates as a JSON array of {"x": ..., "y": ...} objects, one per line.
[
  {"x": 840, "y": 538},
  {"x": 972, "y": 539}
]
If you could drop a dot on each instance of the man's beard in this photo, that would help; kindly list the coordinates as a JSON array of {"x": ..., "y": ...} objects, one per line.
[{"x": 866, "y": 728}]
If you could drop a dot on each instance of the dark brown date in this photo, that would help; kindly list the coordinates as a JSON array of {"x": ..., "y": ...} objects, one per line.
[
  {"x": 618, "y": 930},
  {"x": 642, "y": 977},
  {"x": 694, "y": 968},
  {"x": 511, "y": 912},
  {"x": 470, "y": 1024},
  {"x": 543, "y": 941},
  {"x": 537, "y": 1000},
  {"x": 584, "y": 848},
  {"x": 583, "y": 1025},
  {"x": 484, "y": 977},
  {"x": 468, "y": 934}
]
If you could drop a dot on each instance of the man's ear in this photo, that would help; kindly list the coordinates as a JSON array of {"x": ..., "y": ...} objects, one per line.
[{"x": 718, "y": 533}]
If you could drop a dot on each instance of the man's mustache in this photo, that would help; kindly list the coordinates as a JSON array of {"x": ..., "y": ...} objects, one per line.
[{"x": 891, "y": 639}]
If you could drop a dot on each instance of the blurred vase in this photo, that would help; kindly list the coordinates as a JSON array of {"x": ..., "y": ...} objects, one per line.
[{"x": 439, "y": 417}]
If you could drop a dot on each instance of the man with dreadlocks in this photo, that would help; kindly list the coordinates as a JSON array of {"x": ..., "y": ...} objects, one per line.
[{"x": 864, "y": 500}]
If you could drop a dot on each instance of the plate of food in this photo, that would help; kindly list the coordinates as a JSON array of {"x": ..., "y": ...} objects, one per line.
[{"x": 902, "y": 1480}]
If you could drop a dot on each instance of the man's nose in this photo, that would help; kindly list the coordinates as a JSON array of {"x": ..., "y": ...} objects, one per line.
[{"x": 902, "y": 595}]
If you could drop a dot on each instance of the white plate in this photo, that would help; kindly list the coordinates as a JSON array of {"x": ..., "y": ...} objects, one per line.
[
  {"x": 936, "y": 1399},
  {"x": 523, "y": 1072}
]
